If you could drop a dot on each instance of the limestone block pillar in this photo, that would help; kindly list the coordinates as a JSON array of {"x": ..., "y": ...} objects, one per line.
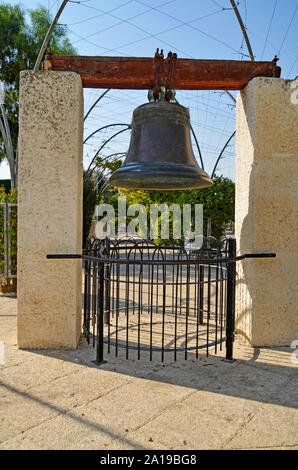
[
  {"x": 49, "y": 209},
  {"x": 267, "y": 212}
]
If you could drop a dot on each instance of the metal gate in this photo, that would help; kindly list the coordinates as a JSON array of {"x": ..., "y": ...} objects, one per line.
[
  {"x": 159, "y": 300},
  {"x": 8, "y": 240},
  {"x": 153, "y": 299}
]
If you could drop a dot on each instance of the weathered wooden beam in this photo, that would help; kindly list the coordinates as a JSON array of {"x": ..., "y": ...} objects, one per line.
[{"x": 139, "y": 72}]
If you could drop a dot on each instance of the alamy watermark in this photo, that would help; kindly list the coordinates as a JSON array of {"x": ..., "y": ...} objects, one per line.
[{"x": 162, "y": 221}]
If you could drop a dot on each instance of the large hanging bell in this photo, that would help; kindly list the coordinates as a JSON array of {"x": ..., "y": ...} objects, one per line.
[{"x": 160, "y": 154}]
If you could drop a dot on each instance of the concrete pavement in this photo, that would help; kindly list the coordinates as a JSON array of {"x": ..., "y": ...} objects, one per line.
[{"x": 62, "y": 400}]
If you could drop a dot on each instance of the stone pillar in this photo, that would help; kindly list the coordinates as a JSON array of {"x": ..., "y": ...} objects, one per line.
[
  {"x": 266, "y": 212},
  {"x": 50, "y": 209}
]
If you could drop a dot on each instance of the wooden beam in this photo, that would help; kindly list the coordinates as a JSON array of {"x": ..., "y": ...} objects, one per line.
[{"x": 139, "y": 72}]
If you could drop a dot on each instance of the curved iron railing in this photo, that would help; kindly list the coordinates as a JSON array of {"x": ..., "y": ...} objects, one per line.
[
  {"x": 143, "y": 297},
  {"x": 159, "y": 299}
]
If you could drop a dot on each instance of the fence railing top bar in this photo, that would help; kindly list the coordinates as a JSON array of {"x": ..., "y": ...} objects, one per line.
[{"x": 161, "y": 262}]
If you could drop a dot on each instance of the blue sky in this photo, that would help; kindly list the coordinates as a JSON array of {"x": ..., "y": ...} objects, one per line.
[{"x": 191, "y": 28}]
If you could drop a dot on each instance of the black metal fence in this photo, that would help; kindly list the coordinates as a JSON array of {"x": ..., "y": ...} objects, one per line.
[
  {"x": 8, "y": 240},
  {"x": 159, "y": 300}
]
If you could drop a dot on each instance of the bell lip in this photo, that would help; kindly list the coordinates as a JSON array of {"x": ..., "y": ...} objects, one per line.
[{"x": 132, "y": 176}]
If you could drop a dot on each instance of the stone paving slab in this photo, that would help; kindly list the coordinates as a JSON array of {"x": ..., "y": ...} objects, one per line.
[
  {"x": 52, "y": 399},
  {"x": 270, "y": 426}
]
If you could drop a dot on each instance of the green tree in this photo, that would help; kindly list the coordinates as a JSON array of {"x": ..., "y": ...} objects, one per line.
[
  {"x": 218, "y": 203},
  {"x": 20, "y": 43}
]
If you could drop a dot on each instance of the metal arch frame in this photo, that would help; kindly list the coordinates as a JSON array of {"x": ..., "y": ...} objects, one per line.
[
  {"x": 108, "y": 140},
  {"x": 13, "y": 159},
  {"x": 95, "y": 167},
  {"x": 103, "y": 127},
  {"x": 252, "y": 58},
  {"x": 221, "y": 153},
  {"x": 48, "y": 36},
  {"x": 11, "y": 156}
]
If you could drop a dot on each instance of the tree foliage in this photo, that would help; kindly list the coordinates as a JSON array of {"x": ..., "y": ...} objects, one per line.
[
  {"x": 20, "y": 42},
  {"x": 109, "y": 165},
  {"x": 218, "y": 203}
]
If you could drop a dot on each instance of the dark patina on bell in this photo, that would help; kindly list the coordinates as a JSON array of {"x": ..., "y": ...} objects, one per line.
[{"x": 160, "y": 154}]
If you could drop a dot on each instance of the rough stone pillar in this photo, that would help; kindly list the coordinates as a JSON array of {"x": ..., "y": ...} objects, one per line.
[
  {"x": 266, "y": 212},
  {"x": 49, "y": 209}
]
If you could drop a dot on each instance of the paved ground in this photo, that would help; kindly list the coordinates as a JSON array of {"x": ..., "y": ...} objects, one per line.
[{"x": 61, "y": 400}]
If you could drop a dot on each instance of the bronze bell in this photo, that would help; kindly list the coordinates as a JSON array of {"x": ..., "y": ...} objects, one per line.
[{"x": 160, "y": 154}]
